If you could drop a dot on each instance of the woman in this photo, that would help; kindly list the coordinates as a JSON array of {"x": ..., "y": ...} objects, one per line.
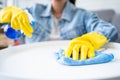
[{"x": 60, "y": 19}]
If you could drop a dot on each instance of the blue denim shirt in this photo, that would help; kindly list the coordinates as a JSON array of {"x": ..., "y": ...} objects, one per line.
[{"x": 74, "y": 22}]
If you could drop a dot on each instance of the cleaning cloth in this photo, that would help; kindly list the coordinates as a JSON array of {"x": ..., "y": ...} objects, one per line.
[{"x": 99, "y": 58}]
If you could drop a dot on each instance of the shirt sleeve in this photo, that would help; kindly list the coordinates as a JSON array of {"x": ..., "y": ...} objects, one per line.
[{"x": 93, "y": 23}]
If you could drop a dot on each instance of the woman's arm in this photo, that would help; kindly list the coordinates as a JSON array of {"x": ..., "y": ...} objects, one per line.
[{"x": 93, "y": 23}]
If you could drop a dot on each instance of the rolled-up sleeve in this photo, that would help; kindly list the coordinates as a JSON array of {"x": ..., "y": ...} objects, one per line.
[{"x": 93, "y": 23}]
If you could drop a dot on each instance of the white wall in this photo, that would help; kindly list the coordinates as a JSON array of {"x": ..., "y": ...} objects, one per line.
[
  {"x": 10, "y": 2},
  {"x": 27, "y": 3},
  {"x": 99, "y": 4},
  {"x": 86, "y": 4}
]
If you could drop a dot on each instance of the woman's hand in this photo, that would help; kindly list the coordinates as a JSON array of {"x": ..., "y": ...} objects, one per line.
[
  {"x": 17, "y": 18},
  {"x": 84, "y": 47}
]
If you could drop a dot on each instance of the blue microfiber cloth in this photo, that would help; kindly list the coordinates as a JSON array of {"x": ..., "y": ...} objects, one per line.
[{"x": 99, "y": 58}]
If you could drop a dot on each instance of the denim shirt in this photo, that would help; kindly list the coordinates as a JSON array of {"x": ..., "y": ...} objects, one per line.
[{"x": 73, "y": 23}]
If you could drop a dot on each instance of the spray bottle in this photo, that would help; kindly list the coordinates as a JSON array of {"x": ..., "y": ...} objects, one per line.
[{"x": 16, "y": 34}]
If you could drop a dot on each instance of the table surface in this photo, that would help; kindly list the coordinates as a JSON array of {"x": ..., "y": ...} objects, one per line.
[{"x": 37, "y": 61}]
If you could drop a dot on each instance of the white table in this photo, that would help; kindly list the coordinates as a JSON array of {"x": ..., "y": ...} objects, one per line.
[{"x": 37, "y": 61}]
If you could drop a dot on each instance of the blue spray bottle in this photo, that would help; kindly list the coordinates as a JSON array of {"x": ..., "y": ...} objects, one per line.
[{"x": 12, "y": 33}]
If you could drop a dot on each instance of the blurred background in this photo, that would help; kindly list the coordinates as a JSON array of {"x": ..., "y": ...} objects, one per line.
[
  {"x": 86, "y": 4},
  {"x": 107, "y": 10}
]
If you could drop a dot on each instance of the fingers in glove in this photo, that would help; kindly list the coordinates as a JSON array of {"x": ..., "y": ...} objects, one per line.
[
  {"x": 15, "y": 23},
  {"x": 68, "y": 51},
  {"x": 84, "y": 52},
  {"x": 23, "y": 26},
  {"x": 75, "y": 53},
  {"x": 91, "y": 53},
  {"x": 25, "y": 31},
  {"x": 27, "y": 23},
  {"x": 28, "y": 27}
]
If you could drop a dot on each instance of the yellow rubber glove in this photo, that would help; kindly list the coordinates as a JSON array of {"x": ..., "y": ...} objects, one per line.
[
  {"x": 83, "y": 47},
  {"x": 17, "y": 18}
]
